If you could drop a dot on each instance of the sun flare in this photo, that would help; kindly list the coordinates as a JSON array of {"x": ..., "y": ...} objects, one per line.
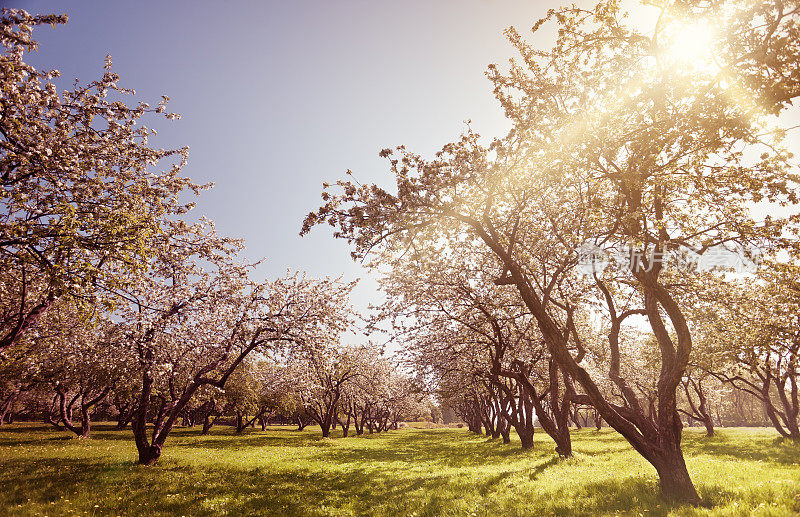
[{"x": 691, "y": 45}]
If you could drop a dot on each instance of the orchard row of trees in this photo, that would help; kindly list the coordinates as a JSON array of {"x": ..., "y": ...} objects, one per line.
[
  {"x": 111, "y": 294},
  {"x": 71, "y": 378},
  {"x": 622, "y": 144},
  {"x": 488, "y": 361}
]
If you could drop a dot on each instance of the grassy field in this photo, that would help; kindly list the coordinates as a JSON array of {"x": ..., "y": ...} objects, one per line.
[{"x": 407, "y": 472}]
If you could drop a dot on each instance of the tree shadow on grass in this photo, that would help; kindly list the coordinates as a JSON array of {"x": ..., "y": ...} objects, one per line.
[
  {"x": 46, "y": 480},
  {"x": 629, "y": 495},
  {"x": 432, "y": 447},
  {"x": 23, "y": 428},
  {"x": 593, "y": 435},
  {"x": 111, "y": 433},
  {"x": 361, "y": 491},
  {"x": 172, "y": 488},
  {"x": 605, "y": 451},
  {"x": 39, "y": 441},
  {"x": 211, "y": 442},
  {"x": 538, "y": 469},
  {"x": 758, "y": 448}
]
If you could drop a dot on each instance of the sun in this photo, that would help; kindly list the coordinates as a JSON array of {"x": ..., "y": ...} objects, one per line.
[{"x": 691, "y": 45}]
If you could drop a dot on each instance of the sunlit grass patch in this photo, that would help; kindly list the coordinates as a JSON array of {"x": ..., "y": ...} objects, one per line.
[{"x": 406, "y": 472}]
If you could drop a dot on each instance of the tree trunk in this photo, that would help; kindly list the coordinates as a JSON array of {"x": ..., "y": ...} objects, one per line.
[
  {"x": 66, "y": 411},
  {"x": 576, "y": 417},
  {"x": 208, "y": 423},
  {"x": 557, "y": 426},
  {"x": 123, "y": 421},
  {"x": 699, "y": 411},
  {"x": 506, "y": 433},
  {"x": 149, "y": 455},
  {"x": 27, "y": 320},
  {"x": 345, "y": 425},
  {"x": 674, "y": 480},
  {"x": 564, "y": 444},
  {"x": 526, "y": 439},
  {"x": 8, "y": 403},
  {"x": 661, "y": 437},
  {"x": 86, "y": 423}
]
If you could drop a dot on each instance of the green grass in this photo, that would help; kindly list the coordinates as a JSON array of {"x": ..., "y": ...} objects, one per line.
[{"x": 406, "y": 472}]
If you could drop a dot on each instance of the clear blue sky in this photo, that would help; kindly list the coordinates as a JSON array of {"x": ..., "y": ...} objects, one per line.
[{"x": 277, "y": 97}]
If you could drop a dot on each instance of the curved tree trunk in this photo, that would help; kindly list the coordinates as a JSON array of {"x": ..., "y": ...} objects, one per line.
[
  {"x": 345, "y": 426},
  {"x": 86, "y": 406},
  {"x": 657, "y": 440},
  {"x": 526, "y": 438},
  {"x": 326, "y": 429},
  {"x": 5, "y": 407}
]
